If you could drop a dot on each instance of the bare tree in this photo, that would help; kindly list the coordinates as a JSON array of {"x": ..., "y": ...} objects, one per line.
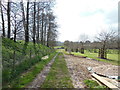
[
  {"x": 37, "y": 19},
  {"x": 83, "y": 38},
  {"x": 42, "y": 26},
  {"x": 104, "y": 38},
  {"x": 51, "y": 32},
  {"x": 38, "y": 23},
  {"x": 71, "y": 46},
  {"x": 16, "y": 20},
  {"x": 23, "y": 15},
  {"x": 25, "y": 20},
  {"x": 45, "y": 29}
]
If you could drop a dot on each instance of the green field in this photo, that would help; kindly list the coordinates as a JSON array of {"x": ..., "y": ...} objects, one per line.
[
  {"x": 58, "y": 76},
  {"x": 112, "y": 55},
  {"x": 111, "y": 58}
]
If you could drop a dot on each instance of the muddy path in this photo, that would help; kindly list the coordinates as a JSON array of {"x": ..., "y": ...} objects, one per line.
[
  {"x": 37, "y": 82},
  {"x": 78, "y": 68}
]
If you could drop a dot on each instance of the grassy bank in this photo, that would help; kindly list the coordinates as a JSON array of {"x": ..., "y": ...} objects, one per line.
[
  {"x": 58, "y": 76},
  {"x": 18, "y": 57},
  {"x": 24, "y": 79}
]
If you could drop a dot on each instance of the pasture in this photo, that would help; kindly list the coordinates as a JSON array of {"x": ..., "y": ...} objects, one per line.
[{"x": 112, "y": 57}]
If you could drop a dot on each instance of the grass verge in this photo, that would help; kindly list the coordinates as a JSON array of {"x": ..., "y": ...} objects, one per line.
[
  {"x": 58, "y": 77},
  {"x": 22, "y": 80},
  {"x": 93, "y": 85}
]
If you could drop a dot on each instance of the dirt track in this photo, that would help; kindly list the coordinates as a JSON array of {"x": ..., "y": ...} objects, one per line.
[
  {"x": 78, "y": 68},
  {"x": 36, "y": 83}
]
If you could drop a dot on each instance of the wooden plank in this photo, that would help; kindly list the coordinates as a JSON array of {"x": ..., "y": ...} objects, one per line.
[
  {"x": 105, "y": 82},
  {"x": 113, "y": 81}
]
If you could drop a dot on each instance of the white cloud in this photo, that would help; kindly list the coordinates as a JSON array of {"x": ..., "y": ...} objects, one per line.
[{"x": 84, "y": 16}]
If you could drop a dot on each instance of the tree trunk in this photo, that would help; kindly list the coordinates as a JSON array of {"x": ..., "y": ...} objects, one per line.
[
  {"x": 103, "y": 53},
  {"x": 45, "y": 34},
  {"x": 38, "y": 26},
  {"x": 24, "y": 24},
  {"x": 23, "y": 17},
  {"x": 42, "y": 28},
  {"x": 48, "y": 35},
  {"x": 15, "y": 35},
  {"x": 15, "y": 30},
  {"x": 99, "y": 53},
  {"x": 2, "y": 17},
  {"x": 27, "y": 24},
  {"x": 34, "y": 27},
  {"x": 25, "y": 21},
  {"x": 82, "y": 49},
  {"x": 8, "y": 17}
]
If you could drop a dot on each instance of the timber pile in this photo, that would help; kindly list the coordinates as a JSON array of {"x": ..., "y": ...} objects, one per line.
[{"x": 107, "y": 82}]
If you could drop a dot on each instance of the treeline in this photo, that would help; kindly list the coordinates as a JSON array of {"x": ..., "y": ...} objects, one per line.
[
  {"x": 28, "y": 33},
  {"x": 29, "y": 21},
  {"x": 104, "y": 41}
]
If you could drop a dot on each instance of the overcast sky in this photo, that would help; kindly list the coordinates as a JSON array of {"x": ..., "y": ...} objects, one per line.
[{"x": 76, "y": 17}]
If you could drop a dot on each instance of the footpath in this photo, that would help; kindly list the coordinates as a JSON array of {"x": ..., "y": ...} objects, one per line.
[{"x": 37, "y": 82}]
